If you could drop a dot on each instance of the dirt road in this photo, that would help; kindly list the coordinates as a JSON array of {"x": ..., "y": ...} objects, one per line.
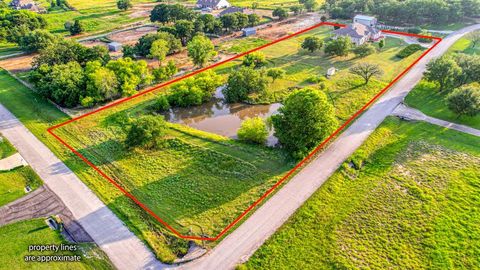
[{"x": 248, "y": 237}]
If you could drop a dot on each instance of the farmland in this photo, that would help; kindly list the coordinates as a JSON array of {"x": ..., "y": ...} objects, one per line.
[
  {"x": 198, "y": 182},
  {"x": 426, "y": 97},
  {"x": 15, "y": 239},
  {"x": 405, "y": 199}
]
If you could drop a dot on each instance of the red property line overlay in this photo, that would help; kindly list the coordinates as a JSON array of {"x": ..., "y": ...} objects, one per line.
[{"x": 269, "y": 191}]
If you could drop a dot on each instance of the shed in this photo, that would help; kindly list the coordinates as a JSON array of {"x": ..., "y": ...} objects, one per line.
[
  {"x": 114, "y": 46},
  {"x": 331, "y": 71},
  {"x": 249, "y": 31}
]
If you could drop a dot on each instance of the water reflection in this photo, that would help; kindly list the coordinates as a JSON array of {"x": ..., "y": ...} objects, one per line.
[{"x": 221, "y": 118}]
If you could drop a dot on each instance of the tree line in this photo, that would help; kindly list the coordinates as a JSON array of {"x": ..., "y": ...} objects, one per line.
[{"x": 405, "y": 12}]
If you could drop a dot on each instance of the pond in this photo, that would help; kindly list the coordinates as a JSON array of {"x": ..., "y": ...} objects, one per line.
[{"x": 220, "y": 117}]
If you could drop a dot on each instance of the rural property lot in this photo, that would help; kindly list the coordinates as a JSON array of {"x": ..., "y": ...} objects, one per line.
[{"x": 199, "y": 184}]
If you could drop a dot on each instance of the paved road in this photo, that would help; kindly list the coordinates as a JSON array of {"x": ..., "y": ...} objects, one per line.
[
  {"x": 123, "y": 248},
  {"x": 248, "y": 237},
  {"x": 414, "y": 114}
]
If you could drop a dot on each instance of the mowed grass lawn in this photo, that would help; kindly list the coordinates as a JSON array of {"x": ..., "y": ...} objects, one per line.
[
  {"x": 13, "y": 182},
  {"x": 413, "y": 204},
  {"x": 16, "y": 238},
  {"x": 426, "y": 97},
  {"x": 6, "y": 148}
]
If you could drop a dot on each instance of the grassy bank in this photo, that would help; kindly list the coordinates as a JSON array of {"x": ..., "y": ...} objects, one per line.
[
  {"x": 16, "y": 238},
  {"x": 426, "y": 97},
  {"x": 413, "y": 204},
  {"x": 6, "y": 148}
]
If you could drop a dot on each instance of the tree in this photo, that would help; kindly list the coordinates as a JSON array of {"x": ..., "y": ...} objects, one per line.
[
  {"x": 162, "y": 104},
  {"x": 470, "y": 65},
  {"x": 444, "y": 71},
  {"x": 201, "y": 50},
  {"x": 76, "y": 28},
  {"x": 124, "y": 4},
  {"x": 254, "y": 6},
  {"x": 101, "y": 82},
  {"x": 15, "y": 24},
  {"x": 130, "y": 74},
  {"x": 63, "y": 83},
  {"x": 184, "y": 30},
  {"x": 312, "y": 44},
  {"x": 229, "y": 21},
  {"x": 381, "y": 44},
  {"x": 254, "y": 60},
  {"x": 297, "y": 9},
  {"x": 209, "y": 22},
  {"x": 275, "y": 73},
  {"x": 166, "y": 13},
  {"x": 465, "y": 100},
  {"x": 37, "y": 40},
  {"x": 253, "y": 130},
  {"x": 474, "y": 37},
  {"x": 144, "y": 44},
  {"x": 310, "y": 5},
  {"x": 128, "y": 51},
  {"x": 339, "y": 47},
  {"x": 253, "y": 19},
  {"x": 366, "y": 71},
  {"x": 147, "y": 131},
  {"x": 281, "y": 13},
  {"x": 305, "y": 119},
  {"x": 243, "y": 82},
  {"x": 242, "y": 20},
  {"x": 364, "y": 50},
  {"x": 163, "y": 73},
  {"x": 323, "y": 18},
  {"x": 159, "y": 50}
]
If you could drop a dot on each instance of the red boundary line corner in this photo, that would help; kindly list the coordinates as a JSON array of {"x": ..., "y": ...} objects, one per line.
[{"x": 287, "y": 175}]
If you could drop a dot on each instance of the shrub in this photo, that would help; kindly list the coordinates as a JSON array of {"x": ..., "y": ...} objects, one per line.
[
  {"x": 409, "y": 50},
  {"x": 465, "y": 100},
  {"x": 255, "y": 60},
  {"x": 253, "y": 130},
  {"x": 161, "y": 104},
  {"x": 147, "y": 131}
]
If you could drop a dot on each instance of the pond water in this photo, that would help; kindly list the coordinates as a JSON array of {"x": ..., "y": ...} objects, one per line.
[{"x": 220, "y": 117}]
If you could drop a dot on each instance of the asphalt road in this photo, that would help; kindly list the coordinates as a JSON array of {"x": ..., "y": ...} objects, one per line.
[
  {"x": 238, "y": 246},
  {"x": 123, "y": 248}
]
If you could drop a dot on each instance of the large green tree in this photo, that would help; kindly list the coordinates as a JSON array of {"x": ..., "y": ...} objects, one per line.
[
  {"x": 185, "y": 30},
  {"x": 366, "y": 71},
  {"x": 101, "y": 82},
  {"x": 312, "y": 44},
  {"x": 305, "y": 119},
  {"x": 243, "y": 82},
  {"x": 444, "y": 71},
  {"x": 124, "y": 4},
  {"x": 131, "y": 74},
  {"x": 201, "y": 50},
  {"x": 339, "y": 47},
  {"x": 159, "y": 50},
  {"x": 36, "y": 40},
  {"x": 144, "y": 44},
  {"x": 465, "y": 100}
]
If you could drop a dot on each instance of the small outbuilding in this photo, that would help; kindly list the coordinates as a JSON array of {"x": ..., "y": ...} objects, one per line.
[
  {"x": 114, "y": 46},
  {"x": 331, "y": 71},
  {"x": 250, "y": 31}
]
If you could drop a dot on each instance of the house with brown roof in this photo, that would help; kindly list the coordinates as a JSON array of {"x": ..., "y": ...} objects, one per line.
[{"x": 358, "y": 32}]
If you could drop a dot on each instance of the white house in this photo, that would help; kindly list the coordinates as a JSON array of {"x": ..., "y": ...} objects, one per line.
[
  {"x": 213, "y": 4},
  {"x": 365, "y": 20}
]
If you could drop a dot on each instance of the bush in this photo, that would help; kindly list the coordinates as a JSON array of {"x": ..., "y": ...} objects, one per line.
[
  {"x": 364, "y": 50},
  {"x": 409, "y": 50},
  {"x": 316, "y": 79},
  {"x": 184, "y": 95},
  {"x": 147, "y": 131},
  {"x": 161, "y": 104},
  {"x": 253, "y": 130},
  {"x": 254, "y": 60}
]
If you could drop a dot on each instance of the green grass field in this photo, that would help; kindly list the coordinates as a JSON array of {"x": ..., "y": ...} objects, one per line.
[
  {"x": 16, "y": 238},
  {"x": 413, "y": 204},
  {"x": 425, "y": 95},
  {"x": 269, "y": 4},
  {"x": 6, "y": 148},
  {"x": 12, "y": 183}
]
